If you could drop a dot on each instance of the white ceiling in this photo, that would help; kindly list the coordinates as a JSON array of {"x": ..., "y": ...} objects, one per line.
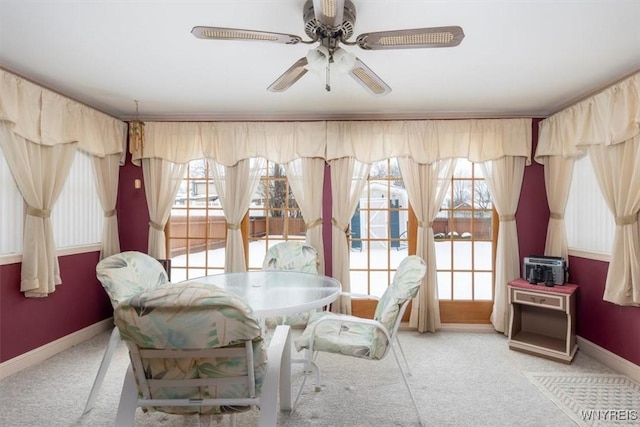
[{"x": 519, "y": 58}]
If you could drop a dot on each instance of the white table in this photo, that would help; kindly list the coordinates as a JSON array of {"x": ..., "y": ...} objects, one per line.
[{"x": 276, "y": 293}]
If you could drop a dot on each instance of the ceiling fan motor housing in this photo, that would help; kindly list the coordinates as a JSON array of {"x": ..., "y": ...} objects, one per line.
[{"x": 317, "y": 31}]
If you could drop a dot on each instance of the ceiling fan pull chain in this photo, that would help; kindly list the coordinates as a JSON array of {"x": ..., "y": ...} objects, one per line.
[{"x": 327, "y": 86}]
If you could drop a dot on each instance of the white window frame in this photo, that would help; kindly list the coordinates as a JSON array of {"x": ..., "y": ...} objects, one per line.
[
  {"x": 589, "y": 223},
  {"x": 77, "y": 217}
]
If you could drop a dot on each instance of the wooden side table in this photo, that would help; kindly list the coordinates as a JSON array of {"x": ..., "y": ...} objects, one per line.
[{"x": 543, "y": 320}]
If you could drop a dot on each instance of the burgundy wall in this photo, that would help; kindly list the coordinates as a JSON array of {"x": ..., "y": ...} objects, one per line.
[
  {"x": 27, "y": 323},
  {"x": 608, "y": 325},
  {"x": 533, "y": 211},
  {"x": 133, "y": 215}
]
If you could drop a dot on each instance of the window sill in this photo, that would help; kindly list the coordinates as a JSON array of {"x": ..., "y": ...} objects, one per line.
[
  {"x": 597, "y": 256},
  {"x": 74, "y": 250}
]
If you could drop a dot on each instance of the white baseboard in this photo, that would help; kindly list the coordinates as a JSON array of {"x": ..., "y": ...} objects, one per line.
[
  {"x": 609, "y": 359},
  {"x": 40, "y": 354},
  {"x": 467, "y": 327}
]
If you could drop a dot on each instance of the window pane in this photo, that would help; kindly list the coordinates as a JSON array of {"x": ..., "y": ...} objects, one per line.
[
  {"x": 359, "y": 282},
  {"x": 462, "y": 286},
  {"x": 483, "y": 284},
  {"x": 443, "y": 255},
  {"x": 482, "y": 255},
  {"x": 11, "y": 212},
  {"x": 77, "y": 216},
  {"x": 444, "y": 285},
  {"x": 462, "y": 255}
]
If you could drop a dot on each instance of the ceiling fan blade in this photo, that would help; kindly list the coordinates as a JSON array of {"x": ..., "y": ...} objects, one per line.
[
  {"x": 411, "y": 39},
  {"x": 221, "y": 33},
  {"x": 292, "y": 75},
  {"x": 329, "y": 12},
  {"x": 368, "y": 79}
]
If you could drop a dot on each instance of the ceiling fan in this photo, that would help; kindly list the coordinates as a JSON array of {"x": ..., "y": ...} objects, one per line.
[{"x": 330, "y": 23}]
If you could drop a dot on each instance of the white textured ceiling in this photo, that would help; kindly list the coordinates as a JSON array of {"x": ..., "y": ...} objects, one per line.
[{"x": 519, "y": 58}]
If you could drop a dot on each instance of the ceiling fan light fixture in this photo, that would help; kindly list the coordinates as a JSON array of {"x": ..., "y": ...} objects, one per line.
[
  {"x": 344, "y": 61},
  {"x": 318, "y": 59}
]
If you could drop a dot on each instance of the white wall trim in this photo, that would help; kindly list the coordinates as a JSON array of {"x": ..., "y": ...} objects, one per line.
[
  {"x": 46, "y": 351},
  {"x": 609, "y": 359},
  {"x": 597, "y": 256},
  {"x": 467, "y": 327}
]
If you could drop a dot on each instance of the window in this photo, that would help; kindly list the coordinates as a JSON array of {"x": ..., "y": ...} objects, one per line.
[
  {"x": 196, "y": 235},
  {"x": 464, "y": 239},
  {"x": 77, "y": 216},
  {"x": 197, "y": 228},
  {"x": 589, "y": 223},
  {"x": 379, "y": 237},
  {"x": 10, "y": 213},
  {"x": 274, "y": 214}
]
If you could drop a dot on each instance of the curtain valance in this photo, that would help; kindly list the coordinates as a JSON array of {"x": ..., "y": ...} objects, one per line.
[
  {"x": 367, "y": 141},
  {"x": 229, "y": 142},
  {"x": 427, "y": 141},
  {"x": 609, "y": 117},
  {"x": 47, "y": 118}
]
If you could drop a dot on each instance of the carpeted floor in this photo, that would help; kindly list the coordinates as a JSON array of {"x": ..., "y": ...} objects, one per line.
[
  {"x": 459, "y": 378},
  {"x": 592, "y": 399}
]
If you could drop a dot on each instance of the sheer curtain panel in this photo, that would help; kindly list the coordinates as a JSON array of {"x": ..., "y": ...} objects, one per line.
[
  {"x": 348, "y": 178},
  {"x": 235, "y": 186},
  {"x": 426, "y": 185},
  {"x": 40, "y": 172},
  {"x": 107, "y": 170},
  {"x": 162, "y": 180},
  {"x": 504, "y": 179},
  {"x": 306, "y": 178}
]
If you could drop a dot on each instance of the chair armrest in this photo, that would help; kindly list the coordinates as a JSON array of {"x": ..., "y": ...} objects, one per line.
[
  {"x": 348, "y": 319},
  {"x": 356, "y": 295},
  {"x": 277, "y": 377}
]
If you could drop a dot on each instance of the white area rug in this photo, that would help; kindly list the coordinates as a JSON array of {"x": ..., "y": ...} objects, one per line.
[{"x": 592, "y": 399}]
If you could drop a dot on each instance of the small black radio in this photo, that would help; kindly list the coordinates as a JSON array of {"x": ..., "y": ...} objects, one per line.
[{"x": 545, "y": 269}]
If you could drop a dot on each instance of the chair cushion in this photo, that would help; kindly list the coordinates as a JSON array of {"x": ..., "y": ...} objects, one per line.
[
  {"x": 405, "y": 285},
  {"x": 128, "y": 273},
  {"x": 193, "y": 317},
  {"x": 344, "y": 337},
  {"x": 296, "y": 256}
]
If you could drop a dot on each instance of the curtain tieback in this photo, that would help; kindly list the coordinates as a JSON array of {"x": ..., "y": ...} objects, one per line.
[
  {"x": 156, "y": 226},
  {"x": 233, "y": 226},
  {"x": 110, "y": 213},
  {"x": 627, "y": 220},
  {"x": 339, "y": 226},
  {"x": 555, "y": 215},
  {"x": 313, "y": 223},
  {"x": 424, "y": 224},
  {"x": 40, "y": 213},
  {"x": 507, "y": 218}
]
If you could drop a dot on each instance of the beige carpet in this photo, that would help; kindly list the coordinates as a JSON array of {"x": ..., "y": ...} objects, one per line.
[
  {"x": 592, "y": 399},
  {"x": 459, "y": 379}
]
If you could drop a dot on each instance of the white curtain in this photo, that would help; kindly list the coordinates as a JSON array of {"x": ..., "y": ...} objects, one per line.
[
  {"x": 348, "y": 178},
  {"x": 235, "y": 186},
  {"x": 617, "y": 168},
  {"x": 504, "y": 179},
  {"x": 306, "y": 178},
  {"x": 162, "y": 180},
  {"x": 426, "y": 185},
  {"x": 40, "y": 172},
  {"x": 107, "y": 171},
  {"x": 557, "y": 181}
]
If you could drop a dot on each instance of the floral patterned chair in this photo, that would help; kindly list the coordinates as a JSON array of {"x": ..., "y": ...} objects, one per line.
[
  {"x": 294, "y": 256},
  {"x": 122, "y": 276},
  {"x": 198, "y": 349},
  {"x": 366, "y": 338}
]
